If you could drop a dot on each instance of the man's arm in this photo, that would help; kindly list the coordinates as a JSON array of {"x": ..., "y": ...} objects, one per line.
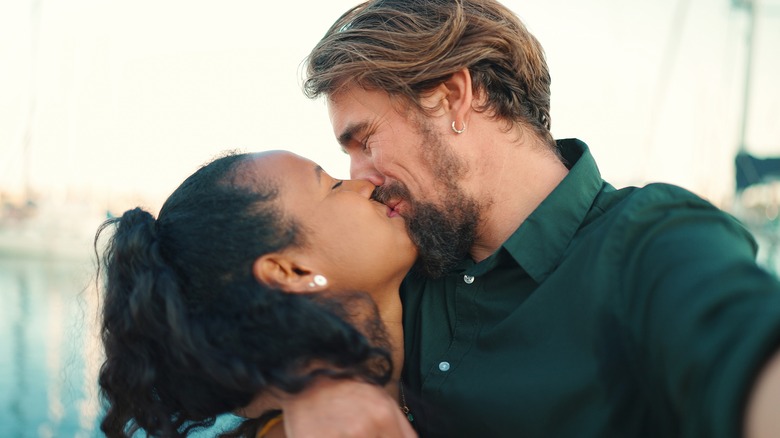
[
  {"x": 707, "y": 317},
  {"x": 762, "y": 417},
  {"x": 335, "y": 408},
  {"x": 344, "y": 408}
]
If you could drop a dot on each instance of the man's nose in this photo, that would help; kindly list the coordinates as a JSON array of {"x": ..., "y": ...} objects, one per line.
[
  {"x": 363, "y": 187},
  {"x": 363, "y": 168}
]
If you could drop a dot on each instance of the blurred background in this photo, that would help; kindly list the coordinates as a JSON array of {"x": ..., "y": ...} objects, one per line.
[{"x": 105, "y": 105}]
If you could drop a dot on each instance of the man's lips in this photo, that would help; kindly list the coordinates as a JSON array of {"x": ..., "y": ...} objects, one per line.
[
  {"x": 392, "y": 207},
  {"x": 391, "y": 201}
]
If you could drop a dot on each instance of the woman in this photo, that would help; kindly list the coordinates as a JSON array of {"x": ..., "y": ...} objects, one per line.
[{"x": 260, "y": 273}]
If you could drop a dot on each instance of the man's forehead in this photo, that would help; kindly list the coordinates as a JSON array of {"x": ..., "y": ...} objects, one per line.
[
  {"x": 352, "y": 111},
  {"x": 338, "y": 106}
]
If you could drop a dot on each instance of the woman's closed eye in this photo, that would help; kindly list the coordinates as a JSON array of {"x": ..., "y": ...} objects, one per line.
[{"x": 337, "y": 185}]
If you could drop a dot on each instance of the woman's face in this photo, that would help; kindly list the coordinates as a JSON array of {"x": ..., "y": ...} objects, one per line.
[{"x": 350, "y": 239}]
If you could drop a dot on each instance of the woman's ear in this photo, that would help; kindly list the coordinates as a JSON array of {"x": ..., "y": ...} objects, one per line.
[{"x": 282, "y": 272}]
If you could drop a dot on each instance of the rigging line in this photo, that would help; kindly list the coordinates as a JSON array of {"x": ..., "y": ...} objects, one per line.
[
  {"x": 750, "y": 7},
  {"x": 28, "y": 128},
  {"x": 673, "y": 43},
  {"x": 22, "y": 136}
]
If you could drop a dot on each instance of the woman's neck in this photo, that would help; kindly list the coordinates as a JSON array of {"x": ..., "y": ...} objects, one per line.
[
  {"x": 388, "y": 303},
  {"x": 391, "y": 312}
]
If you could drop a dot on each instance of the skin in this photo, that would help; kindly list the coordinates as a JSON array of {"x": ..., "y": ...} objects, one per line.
[
  {"x": 511, "y": 171},
  {"x": 761, "y": 418},
  {"x": 350, "y": 239},
  {"x": 353, "y": 241}
]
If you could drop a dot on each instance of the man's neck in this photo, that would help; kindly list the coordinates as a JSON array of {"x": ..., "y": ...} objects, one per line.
[{"x": 517, "y": 178}]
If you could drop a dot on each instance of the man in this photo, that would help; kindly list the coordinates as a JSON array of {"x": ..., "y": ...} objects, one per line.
[{"x": 545, "y": 302}]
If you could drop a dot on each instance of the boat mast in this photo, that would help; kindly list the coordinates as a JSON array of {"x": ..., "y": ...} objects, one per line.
[{"x": 27, "y": 138}]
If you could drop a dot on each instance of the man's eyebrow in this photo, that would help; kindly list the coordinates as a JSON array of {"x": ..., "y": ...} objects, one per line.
[{"x": 350, "y": 132}]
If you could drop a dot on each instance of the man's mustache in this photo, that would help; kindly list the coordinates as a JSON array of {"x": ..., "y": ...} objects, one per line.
[{"x": 394, "y": 190}]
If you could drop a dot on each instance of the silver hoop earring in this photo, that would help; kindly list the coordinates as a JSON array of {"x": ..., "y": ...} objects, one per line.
[
  {"x": 320, "y": 280},
  {"x": 458, "y": 131}
]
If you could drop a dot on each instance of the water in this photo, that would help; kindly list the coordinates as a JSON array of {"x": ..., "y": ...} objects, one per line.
[{"x": 49, "y": 350}]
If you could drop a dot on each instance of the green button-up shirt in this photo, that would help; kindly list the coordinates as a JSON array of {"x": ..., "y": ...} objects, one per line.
[{"x": 608, "y": 313}]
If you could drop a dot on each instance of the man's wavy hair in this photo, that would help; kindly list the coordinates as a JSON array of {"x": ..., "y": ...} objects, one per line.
[
  {"x": 190, "y": 334},
  {"x": 408, "y": 47}
]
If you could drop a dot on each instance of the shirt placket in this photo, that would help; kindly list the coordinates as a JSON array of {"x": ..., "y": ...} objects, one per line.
[{"x": 463, "y": 337}]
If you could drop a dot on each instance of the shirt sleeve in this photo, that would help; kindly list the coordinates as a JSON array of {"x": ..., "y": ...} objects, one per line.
[{"x": 704, "y": 315}]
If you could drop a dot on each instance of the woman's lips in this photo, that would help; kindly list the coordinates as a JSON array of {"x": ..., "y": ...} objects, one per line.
[{"x": 392, "y": 208}]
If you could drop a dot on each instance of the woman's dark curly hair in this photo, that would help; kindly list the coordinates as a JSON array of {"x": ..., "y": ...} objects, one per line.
[{"x": 190, "y": 334}]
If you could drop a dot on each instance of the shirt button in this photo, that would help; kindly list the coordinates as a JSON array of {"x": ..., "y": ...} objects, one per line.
[
  {"x": 468, "y": 279},
  {"x": 444, "y": 366}
]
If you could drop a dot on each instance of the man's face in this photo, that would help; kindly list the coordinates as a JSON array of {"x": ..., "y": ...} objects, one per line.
[{"x": 417, "y": 173}]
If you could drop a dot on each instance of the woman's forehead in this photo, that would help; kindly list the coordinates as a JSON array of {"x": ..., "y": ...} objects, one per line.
[
  {"x": 284, "y": 169},
  {"x": 280, "y": 162}
]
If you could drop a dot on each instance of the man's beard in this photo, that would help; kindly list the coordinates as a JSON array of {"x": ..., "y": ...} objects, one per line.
[{"x": 443, "y": 234}]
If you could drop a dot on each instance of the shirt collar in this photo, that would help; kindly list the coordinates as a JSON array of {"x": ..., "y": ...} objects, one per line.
[{"x": 538, "y": 245}]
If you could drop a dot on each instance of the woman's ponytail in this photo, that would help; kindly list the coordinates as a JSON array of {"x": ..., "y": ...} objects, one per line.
[{"x": 143, "y": 317}]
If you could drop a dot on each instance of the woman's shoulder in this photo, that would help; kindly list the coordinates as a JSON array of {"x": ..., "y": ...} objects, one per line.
[{"x": 274, "y": 428}]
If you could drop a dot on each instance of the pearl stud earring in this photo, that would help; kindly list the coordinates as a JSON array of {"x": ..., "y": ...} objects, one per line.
[{"x": 319, "y": 280}]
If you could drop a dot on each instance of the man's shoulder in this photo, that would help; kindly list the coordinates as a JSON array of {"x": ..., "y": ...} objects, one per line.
[
  {"x": 668, "y": 193},
  {"x": 666, "y": 208},
  {"x": 655, "y": 200}
]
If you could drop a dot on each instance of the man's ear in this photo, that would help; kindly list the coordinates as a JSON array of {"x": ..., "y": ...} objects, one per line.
[
  {"x": 453, "y": 97},
  {"x": 460, "y": 93},
  {"x": 280, "y": 271}
]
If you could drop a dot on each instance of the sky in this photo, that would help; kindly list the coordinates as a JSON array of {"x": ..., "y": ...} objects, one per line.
[{"x": 123, "y": 100}]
